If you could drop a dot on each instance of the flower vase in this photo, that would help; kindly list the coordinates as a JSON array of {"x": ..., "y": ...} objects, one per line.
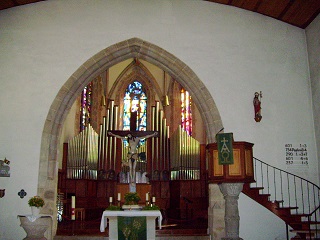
[{"x": 35, "y": 211}]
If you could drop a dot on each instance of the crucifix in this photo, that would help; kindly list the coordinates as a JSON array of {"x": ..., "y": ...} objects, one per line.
[{"x": 133, "y": 137}]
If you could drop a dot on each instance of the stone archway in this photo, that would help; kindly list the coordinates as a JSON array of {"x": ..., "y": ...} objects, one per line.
[{"x": 132, "y": 48}]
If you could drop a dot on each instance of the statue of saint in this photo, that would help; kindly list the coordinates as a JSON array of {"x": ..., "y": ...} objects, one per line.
[{"x": 257, "y": 106}]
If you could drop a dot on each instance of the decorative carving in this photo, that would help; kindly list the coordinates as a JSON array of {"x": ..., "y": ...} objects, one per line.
[{"x": 22, "y": 193}]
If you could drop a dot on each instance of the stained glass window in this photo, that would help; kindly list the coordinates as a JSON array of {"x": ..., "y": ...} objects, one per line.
[
  {"x": 186, "y": 114},
  {"x": 135, "y": 102},
  {"x": 85, "y": 109}
]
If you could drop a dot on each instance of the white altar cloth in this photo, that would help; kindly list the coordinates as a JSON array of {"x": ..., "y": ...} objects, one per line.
[{"x": 113, "y": 223}]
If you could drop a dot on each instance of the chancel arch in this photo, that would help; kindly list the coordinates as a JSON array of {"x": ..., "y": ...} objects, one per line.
[{"x": 132, "y": 48}]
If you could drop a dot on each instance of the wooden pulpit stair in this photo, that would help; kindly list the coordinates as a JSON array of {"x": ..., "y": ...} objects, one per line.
[{"x": 293, "y": 199}]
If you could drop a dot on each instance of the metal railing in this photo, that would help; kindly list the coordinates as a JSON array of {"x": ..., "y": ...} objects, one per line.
[{"x": 290, "y": 190}]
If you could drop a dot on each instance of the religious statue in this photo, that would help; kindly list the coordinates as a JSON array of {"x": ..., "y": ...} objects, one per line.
[
  {"x": 133, "y": 139},
  {"x": 257, "y": 106}
]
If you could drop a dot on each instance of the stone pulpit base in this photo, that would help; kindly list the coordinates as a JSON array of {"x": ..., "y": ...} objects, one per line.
[{"x": 231, "y": 193}]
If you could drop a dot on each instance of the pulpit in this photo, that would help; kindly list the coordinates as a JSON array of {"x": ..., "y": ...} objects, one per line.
[
  {"x": 240, "y": 171},
  {"x": 230, "y": 166},
  {"x": 129, "y": 222}
]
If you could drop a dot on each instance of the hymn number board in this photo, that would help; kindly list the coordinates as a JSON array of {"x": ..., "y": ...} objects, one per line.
[{"x": 297, "y": 155}]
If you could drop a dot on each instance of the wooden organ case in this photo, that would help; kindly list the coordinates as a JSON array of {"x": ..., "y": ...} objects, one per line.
[{"x": 175, "y": 166}]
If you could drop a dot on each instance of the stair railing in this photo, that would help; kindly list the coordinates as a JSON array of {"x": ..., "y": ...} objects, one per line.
[{"x": 289, "y": 190}]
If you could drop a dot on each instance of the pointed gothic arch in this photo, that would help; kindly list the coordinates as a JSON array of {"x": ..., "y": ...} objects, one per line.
[{"x": 132, "y": 48}]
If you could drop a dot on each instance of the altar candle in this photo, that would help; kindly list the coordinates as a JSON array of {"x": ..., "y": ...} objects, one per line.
[
  {"x": 147, "y": 197},
  {"x": 119, "y": 196},
  {"x": 110, "y": 199},
  {"x": 153, "y": 199},
  {"x": 73, "y": 206}
]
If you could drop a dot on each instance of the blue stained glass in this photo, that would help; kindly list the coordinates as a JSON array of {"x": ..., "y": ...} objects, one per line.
[{"x": 135, "y": 100}]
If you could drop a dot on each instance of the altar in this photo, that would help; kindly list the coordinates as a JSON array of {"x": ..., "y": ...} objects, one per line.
[{"x": 115, "y": 218}]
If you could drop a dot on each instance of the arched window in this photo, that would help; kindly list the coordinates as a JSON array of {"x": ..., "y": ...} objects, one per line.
[
  {"x": 186, "y": 114},
  {"x": 85, "y": 109},
  {"x": 135, "y": 107}
]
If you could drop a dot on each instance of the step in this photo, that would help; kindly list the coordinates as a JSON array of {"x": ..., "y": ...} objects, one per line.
[{"x": 107, "y": 238}]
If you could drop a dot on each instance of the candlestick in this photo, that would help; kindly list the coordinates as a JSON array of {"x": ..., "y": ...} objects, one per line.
[
  {"x": 153, "y": 199},
  {"x": 110, "y": 200},
  {"x": 119, "y": 197},
  {"x": 73, "y": 206}
]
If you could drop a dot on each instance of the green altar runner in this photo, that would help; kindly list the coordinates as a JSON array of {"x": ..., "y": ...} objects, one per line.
[{"x": 131, "y": 225}]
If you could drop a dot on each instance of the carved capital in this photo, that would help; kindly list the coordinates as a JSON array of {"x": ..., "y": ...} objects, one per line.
[{"x": 231, "y": 189}]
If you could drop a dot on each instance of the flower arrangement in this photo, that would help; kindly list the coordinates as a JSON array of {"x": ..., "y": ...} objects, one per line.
[
  {"x": 36, "y": 201},
  {"x": 131, "y": 198}
]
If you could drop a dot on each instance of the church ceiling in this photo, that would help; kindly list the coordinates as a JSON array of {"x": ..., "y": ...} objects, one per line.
[{"x": 299, "y": 13}]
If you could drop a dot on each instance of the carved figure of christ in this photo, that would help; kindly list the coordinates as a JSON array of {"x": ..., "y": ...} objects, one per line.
[{"x": 133, "y": 138}]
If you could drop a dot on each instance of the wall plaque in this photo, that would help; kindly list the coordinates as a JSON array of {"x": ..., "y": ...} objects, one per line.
[{"x": 296, "y": 155}]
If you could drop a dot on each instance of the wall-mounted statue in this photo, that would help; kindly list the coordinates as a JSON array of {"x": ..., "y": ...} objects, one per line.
[{"x": 257, "y": 106}]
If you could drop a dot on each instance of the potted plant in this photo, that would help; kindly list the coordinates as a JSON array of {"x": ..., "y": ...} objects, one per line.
[
  {"x": 131, "y": 198},
  {"x": 36, "y": 203}
]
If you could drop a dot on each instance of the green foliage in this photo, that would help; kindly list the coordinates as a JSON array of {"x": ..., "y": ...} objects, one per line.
[
  {"x": 36, "y": 201},
  {"x": 153, "y": 207},
  {"x": 113, "y": 208},
  {"x": 131, "y": 198}
]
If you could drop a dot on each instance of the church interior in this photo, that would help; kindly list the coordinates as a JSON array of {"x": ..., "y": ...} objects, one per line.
[
  {"x": 135, "y": 95},
  {"x": 99, "y": 99}
]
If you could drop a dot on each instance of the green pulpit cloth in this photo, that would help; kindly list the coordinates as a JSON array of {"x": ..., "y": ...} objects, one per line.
[
  {"x": 132, "y": 228},
  {"x": 225, "y": 149}
]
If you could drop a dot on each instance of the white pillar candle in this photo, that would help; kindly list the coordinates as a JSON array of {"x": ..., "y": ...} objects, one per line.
[
  {"x": 147, "y": 197},
  {"x": 153, "y": 199},
  {"x": 110, "y": 199},
  {"x": 73, "y": 206},
  {"x": 119, "y": 196}
]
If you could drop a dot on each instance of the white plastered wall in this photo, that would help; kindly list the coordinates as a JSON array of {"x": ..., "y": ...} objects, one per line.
[{"x": 234, "y": 53}]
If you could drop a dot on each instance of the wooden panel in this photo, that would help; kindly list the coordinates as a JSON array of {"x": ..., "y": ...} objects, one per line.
[
  {"x": 185, "y": 189},
  {"x": 91, "y": 188},
  {"x": 165, "y": 189},
  {"x": 81, "y": 188},
  {"x": 302, "y": 12},
  {"x": 196, "y": 189},
  {"x": 273, "y": 8},
  {"x": 235, "y": 168},
  {"x": 142, "y": 189},
  {"x": 101, "y": 189},
  {"x": 217, "y": 169},
  {"x": 156, "y": 189},
  {"x": 249, "y": 162}
]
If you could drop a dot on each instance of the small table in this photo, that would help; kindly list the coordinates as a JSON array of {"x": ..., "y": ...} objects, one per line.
[
  {"x": 113, "y": 221},
  {"x": 35, "y": 226}
]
